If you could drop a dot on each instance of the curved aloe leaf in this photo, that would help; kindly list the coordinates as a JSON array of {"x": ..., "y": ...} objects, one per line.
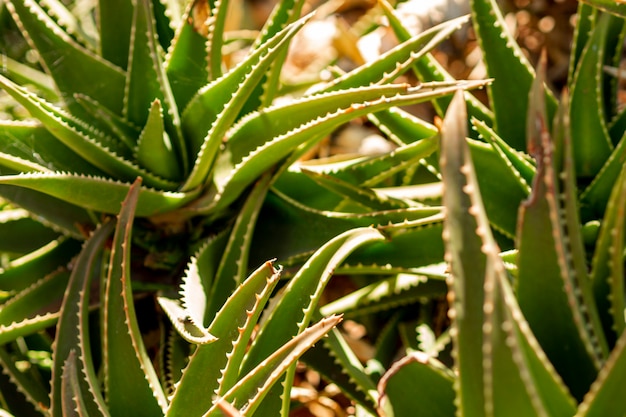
[
  {"x": 394, "y": 62},
  {"x": 213, "y": 368},
  {"x": 255, "y": 386},
  {"x": 187, "y": 59},
  {"x": 281, "y": 214},
  {"x": 21, "y": 233},
  {"x": 72, "y": 329},
  {"x": 51, "y": 211},
  {"x": 130, "y": 381},
  {"x": 28, "y": 388},
  {"x": 74, "y": 68},
  {"x": 294, "y": 310},
  {"x": 334, "y": 359},
  {"x": 232, "y": 268},
  {"x": 147, "y": 81},
  {"x": 154, "y": 148},
  {"x": 28, "y": 269},
  {"x": 552, "y": 274},
  {"x": 417, "y": 385},
  {"x": 41, "y": 298},
  {"x": 98, "y": 193},
  {"x": 388, "y": 293},
  {"x": 428, "y": 69},
  {"x": 32, "y": 142},
  {"x": 587, "y": 87},
  {"x": 607, "y": 266},
  {"x": 262, "y": 139},
  {"x": 616, "y": 7}
]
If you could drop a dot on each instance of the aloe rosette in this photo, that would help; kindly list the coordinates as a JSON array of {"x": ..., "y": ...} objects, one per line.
[{"x": 145, "y": 159}]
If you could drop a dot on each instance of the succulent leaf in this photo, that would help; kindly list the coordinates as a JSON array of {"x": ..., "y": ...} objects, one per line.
[
  {"x": 512, "y": 74},
  {"x": 255, "y": 386},
  {"x": 74, "y": 68},
  {"x": 98, "y": 193},
  {"x": 550, "y": 273},
  {"x": 213, "y": 368},
  {"x": 398, "y": 387},
  {"x": 587, "y": 87},
  {"x": 154, "y": 148},
  {"x": 73, "y": 332},
  {"x": 130, "y": 381}
]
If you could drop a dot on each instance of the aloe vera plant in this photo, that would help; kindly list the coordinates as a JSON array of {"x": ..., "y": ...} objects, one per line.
[{"x": 150, "y": 179}]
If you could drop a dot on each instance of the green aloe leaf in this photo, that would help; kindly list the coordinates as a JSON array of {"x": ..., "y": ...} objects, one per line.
[
  {"x": 147, "y": 81},
  {"x": 388, "y": 293},
  {"x": 607, "y": 266},
  {"x": 370, "y": 171},
  {"x": 417, "y": 385},
  {"x": 28, "y": 388},
  {"x": 616, "y": 7},
  {"x": 294, "y": 310},
  {"x": 28, "y": 269},
  {"x": 21, "y": 233},
  {"x": 24, "y": 74},
  {"x": 53, "y": 212},
  {"x": 284, "y": 13},
  {"x": 512, "y": 74},
  {"x": 73, "y": 68},
  {"x": 187, "y": 59},
  {"x": 585, "y": 21},
  {"x": 115, "y": 18},
  {"x": 32, "y": 142},
  {"x": 98, "y": 193},
  {"x": 38, "y": 299},
  {"x": 73, "y": 332},
  {"x": 521, "y": 163},
  {"x": 281, "y": 214},
  {"x": 218, "y": 14},
  {"x": 428, "y": 69},
  {"x": 336, "y": 361},
  {"x": 214, "y": 367},
  {"x": 27, "y": 327},
  {"x": 154, "y": 148},
  {"x": 466, "y": 293},
  {"x": 72, "y": 399},
  {"x": 130, "y": 381},
  {"x": 605, "y": 396},
  {"x": 393, "y": 63},
  {"x": 552, "y": 275},
  {"x": 401, "y": 127},
  {"x": 248, "y": 393},
  {"x": 185, "y": 323},
  {"x": 587, "y": 87},
  {"x": 595, "y": 197},
  {"x": 232, "y": 270},
  {"x": 366, "y": 197}
]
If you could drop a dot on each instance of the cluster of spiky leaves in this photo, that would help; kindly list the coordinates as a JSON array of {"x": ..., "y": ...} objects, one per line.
[
  {"x": 530, "y": 237},
  {"x": 144, "y": 156},
  {"x": 537, "y": 330}
]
